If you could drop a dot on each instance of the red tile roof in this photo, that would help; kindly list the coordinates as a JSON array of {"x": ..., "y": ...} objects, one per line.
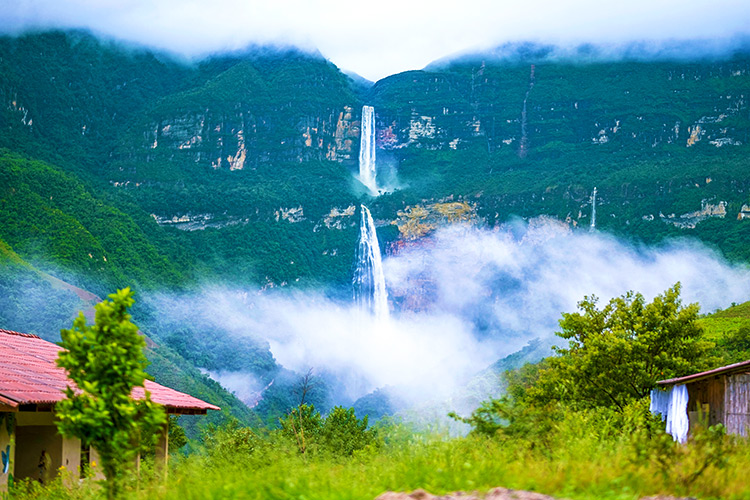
[{"x": 29, "y": 375}]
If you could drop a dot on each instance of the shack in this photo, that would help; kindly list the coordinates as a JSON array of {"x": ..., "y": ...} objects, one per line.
[
  {"x": 30, "y": 385},
  {"x": 718, "y": 396}
]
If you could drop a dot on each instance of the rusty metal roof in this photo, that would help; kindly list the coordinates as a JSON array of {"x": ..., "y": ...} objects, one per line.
[
  {"x": 741, "y": 366},
  {"x": 29, "y": 375}
]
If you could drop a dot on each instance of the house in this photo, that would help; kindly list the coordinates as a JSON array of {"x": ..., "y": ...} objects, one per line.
[
  {"x": 30, "y": 385},
  {"x": 718, "y": 396}
]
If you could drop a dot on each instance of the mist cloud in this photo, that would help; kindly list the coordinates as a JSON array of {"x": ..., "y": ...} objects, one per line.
[
  {"x": 376, "y": 39},
  {"x": 525, "y": 277},
  {"x": 475, "y": 296}
]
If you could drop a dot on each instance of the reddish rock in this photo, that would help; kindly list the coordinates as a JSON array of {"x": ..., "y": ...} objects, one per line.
[
  {"x": 667, "y": 497},
  {"x": 495, "y": 494}
]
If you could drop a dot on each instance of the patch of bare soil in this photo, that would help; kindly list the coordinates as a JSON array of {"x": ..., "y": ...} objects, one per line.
[
  {"x": 495, "y": 494},
  {"x": 666, "y": 497}
]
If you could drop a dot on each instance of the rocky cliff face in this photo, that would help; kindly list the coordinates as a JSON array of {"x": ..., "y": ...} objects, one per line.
[
  {"x": 633, "y": 104},
  {"x": 243, "y": 139},
  {"x": 255, "y": 113}
]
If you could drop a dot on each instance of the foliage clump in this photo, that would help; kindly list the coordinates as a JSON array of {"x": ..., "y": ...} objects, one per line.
[
  {"x": 616, "y": 354},
  {"x": 341, "y": 433},
  {"x": 106, "y": 361},
  {"x": 230, "y": 440},
  {"x": 614, "y": 358}
]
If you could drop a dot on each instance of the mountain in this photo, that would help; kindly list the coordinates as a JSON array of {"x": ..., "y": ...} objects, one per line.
[
  {"x": 63, "y": 227},
  {"x": 251, "y": 154},
  {"x": 124, "y": 167},
  {"x": 664, "y": 141}
]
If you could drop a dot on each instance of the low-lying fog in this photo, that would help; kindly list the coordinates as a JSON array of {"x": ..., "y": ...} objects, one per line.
[{"x": 460, "y": 301}]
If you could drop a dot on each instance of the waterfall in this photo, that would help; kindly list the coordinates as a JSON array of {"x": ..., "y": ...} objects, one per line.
[
  {"x": 593, "y": 210},
  {"x": 367, "y": 172},
  {"x": 523, "y": 149},
  {"x": 369, "y": 280}
]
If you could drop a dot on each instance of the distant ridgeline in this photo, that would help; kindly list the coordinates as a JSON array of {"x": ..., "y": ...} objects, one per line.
[{"x": 124, "y": 167}]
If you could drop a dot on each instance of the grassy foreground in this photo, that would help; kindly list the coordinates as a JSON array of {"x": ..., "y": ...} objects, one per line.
[{"x": 585, "y": 456}]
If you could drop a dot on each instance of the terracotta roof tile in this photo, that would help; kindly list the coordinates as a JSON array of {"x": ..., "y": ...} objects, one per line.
[{"x": 29, "y": 375}]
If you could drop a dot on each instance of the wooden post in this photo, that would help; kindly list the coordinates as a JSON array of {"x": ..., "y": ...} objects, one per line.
[
  {"x": 95, "y": 465},
  {"x": 161, "y": 458},
  {"x": 71, "y": 460}
]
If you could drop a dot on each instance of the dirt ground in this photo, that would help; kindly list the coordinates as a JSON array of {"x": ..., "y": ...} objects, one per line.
[{"x": 495, "y": 494}]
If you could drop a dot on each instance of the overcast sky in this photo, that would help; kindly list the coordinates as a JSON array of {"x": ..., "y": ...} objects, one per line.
[{"x": 381, "y": 37}]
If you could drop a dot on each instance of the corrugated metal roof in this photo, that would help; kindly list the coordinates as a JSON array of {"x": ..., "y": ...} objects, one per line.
[
  {"x": 29, "y": 375},
  {"x": 710, "y": 373}
]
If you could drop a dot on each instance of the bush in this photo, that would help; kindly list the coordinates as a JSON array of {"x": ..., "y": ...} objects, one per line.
[
  {"x": 343, "y": 433},
  {"x": 303, "y": 425},
  {"x": 230, "y": 442},
  {"x": 340, "y": 433}
]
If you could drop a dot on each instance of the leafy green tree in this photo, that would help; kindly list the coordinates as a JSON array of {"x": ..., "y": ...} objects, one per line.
[
  {"x": 340, "y": 433},
  {"x": 106, "y": 361},
  {"x": 343, "y": 433},
  {"x": 617, "y": 354},
  {"x": 176, "y": 433},
  {"x": 303, "y": 424},
  {"x": 614, "y": 358}
]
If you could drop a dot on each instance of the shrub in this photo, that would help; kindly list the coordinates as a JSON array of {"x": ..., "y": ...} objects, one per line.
[{"x": 343, "y": 433}]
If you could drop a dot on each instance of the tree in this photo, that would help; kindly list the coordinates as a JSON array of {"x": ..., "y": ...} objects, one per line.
[
  {"x": 343, "y": 433},
  {"x": 614, "y": 358},
  {"x": 106, "y": 361},
  {"x": 303, "y": 423},
  {"x": 231, "y": 441},
  {"x": 617, "y": 354}
]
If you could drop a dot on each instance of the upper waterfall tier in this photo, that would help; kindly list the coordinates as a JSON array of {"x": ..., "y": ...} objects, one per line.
[{"x": 367, "y": 169}]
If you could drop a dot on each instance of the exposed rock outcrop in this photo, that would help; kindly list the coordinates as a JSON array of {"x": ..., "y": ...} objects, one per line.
[
  {"x": 417, "y": 221},
  {"x": 691, "y": 219}
]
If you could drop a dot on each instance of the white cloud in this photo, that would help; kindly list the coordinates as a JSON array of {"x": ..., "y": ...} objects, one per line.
[{"x": 380, "y": 38}]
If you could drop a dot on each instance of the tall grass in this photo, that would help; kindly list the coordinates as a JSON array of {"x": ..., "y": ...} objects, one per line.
[{"x": 587, "y": 456}]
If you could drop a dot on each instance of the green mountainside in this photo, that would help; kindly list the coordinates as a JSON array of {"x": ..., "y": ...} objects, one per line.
[
  {"x": 36, "y": 302},
  {"x": 664, "y": 142},
  {"x": 66, "y": 95},
  {"x": 252, "y": 155},
  {"x": 123, "y": 167},
  {"x": 26, "y": 295},
  {"x": 60, "y": 226}
]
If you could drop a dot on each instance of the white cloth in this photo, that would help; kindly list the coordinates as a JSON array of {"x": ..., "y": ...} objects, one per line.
[{"x": 672, "y": 405}]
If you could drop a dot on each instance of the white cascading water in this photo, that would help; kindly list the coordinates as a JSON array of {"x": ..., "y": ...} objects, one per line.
[
  {"x": 367, "y": 172},
  {"x": 369, "y": 279},
  {"x": 593, "y": 210}
]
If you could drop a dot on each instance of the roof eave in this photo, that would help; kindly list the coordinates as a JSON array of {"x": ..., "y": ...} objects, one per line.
[
  {"x": 7, "y": 404},
  {"x": 188, "y": 411},
  {"x": 707, "y": 374}
]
